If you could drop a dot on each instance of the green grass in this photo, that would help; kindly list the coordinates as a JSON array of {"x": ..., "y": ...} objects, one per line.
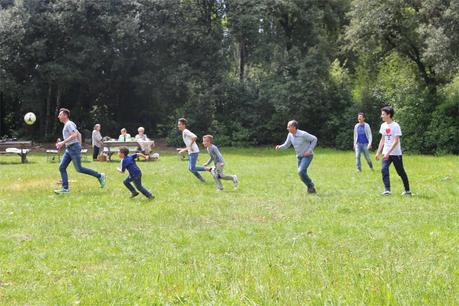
[{"x": 267, "y": 243}]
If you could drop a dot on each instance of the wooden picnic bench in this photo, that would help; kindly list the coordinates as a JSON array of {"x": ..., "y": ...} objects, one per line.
[
  {"x": 20, "y": 148},
  {"x": 112, "y": 147}
]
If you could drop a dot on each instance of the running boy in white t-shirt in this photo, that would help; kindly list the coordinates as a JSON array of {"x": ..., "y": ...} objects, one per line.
[
  {"x": 193, "y": 150},
  {"x": 391, "y": 149}
]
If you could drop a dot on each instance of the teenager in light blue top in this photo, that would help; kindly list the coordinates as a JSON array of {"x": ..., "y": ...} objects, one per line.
[
  {"x": 362, "y": 141},
  {"x": 304, "y": 144},
  {"x": 72, "y": 143}
]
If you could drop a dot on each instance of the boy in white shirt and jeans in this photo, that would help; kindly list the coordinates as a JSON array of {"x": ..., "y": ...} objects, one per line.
[
  {"x": 391, "y": 149},
  {"x": 193, "y": 150}
]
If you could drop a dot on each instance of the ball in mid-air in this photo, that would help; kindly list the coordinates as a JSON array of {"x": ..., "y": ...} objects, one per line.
[{"x": 30, "y": 118}]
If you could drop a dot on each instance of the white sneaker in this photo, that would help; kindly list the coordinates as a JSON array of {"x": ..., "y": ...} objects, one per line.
[
  {"x": 235, "y": 182},
  {"x": 386, "y": 193},
  {"x": 407, "y": 193}
]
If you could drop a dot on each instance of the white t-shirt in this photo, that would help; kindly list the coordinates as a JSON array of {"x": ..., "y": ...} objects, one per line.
[
  {"x": 188, "y": 139},
  {"x": 389, "y": 131}
]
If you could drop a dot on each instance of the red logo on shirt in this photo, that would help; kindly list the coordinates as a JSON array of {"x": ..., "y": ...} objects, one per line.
[{"x": 388, "y": 131}]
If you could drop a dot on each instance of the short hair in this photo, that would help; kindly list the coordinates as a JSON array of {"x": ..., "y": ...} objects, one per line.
[
  {"x": 388, "y": 110},
  {"x": 294, "y": 123},
  {"x": 141, "y": 128},
  {"x": 361, "y": 114},
  {"x": 182, "y": 121},
  {"x": 124, "y": 151},
  {"x": 123, "y": 129},
  {"x": 210, "y": 137},
  {"x": 65, "y": 111}
]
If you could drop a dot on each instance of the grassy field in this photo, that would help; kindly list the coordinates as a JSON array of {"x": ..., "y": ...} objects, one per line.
[{"x": 267, "y": 243}]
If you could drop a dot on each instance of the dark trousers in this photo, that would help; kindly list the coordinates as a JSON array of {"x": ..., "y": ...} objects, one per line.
[
  {"x": 95, "y": 152},
  {"x": 398, "y": 164},
  {"x": 138, "y": 184}
]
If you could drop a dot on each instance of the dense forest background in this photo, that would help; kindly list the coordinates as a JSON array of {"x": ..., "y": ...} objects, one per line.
[{"x": 239, "y": 69}]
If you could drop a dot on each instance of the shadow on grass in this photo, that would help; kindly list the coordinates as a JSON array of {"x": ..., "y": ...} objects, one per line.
[{"x": 16, "y": 163}]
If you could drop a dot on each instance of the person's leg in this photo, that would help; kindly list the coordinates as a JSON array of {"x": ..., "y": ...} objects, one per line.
[
  {"x": 138, "y": 185},
  {"x": 357, "y": 157},
  {"x": 66, "y": 159},
  {"x": 193, "y": 158},
  {"x": 95, "y": 152},
  {"x": 75, "y": 152},
  {"x": 303, "y": 164},
  {"x": 398, "y": 164},
  {"x": 366, "y": 153},
  {"x": 385, "y": 173},
  {"x": 216, "y": 175},
  {"x": 127, "y": 182}
]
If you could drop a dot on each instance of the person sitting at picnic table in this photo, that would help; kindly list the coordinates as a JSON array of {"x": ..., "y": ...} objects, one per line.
[
  {"x": 143, "y": 141},
  {"x": 124, "y": 137},
  {"x": 141, "y": 136}
]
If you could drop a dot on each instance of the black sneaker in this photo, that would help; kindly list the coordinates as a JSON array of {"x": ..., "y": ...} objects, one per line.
[
  {"x": 312, "y": 190},
  {"x": 152, "y": 197},
  {"x": 134, "y": 195}
]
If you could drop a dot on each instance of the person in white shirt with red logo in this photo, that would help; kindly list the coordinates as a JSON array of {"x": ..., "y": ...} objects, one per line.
[{"x": 391, "y": 150}]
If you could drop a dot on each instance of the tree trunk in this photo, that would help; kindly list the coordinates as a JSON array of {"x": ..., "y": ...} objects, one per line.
[
  {"x": 48, "y": 117},
  {"x": 241, "y": 60},
  {"x": 58, "y": 106}
]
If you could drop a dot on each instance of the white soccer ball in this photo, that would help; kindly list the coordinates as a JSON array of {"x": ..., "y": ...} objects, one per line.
[
  {"x": 30, "y": 118},
  {"x": 154, "y": 156}
]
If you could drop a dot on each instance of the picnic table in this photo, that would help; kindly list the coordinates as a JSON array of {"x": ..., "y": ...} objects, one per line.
[
  {"x": 112, "y": 146},
  {"x": 20, "y": 148}
]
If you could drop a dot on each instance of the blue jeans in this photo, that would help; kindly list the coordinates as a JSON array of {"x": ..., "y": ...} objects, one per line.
[
  {"x": 303, "y": 164},
  {"x": 193, "y": 158},
  {"x": 398, "y": 164},
  {"x": 359, "y": 148},
  {"x": 138, "y": 184},
  {"x": 73, "y": 153}
]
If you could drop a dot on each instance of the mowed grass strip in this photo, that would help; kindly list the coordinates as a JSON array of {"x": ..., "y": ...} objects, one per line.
[{"x": 268, "y": 242}]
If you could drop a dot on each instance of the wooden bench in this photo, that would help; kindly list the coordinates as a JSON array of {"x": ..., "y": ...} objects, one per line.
[
  {"x": 112, "y": 147},
  {"x": 52, "y": 155},
  {"x": 20, "y": 148}
]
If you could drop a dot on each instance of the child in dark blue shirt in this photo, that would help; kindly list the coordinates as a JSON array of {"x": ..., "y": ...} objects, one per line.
[{"x": 135, "y": 175}]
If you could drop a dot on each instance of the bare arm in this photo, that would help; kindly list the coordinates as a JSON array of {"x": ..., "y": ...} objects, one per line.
[
  {"x": 380, "y": 146},
  {"x": 72, "y": 136}
]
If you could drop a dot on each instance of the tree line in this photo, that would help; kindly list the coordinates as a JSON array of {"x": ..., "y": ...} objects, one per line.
[{"x": 239, "y": 69}]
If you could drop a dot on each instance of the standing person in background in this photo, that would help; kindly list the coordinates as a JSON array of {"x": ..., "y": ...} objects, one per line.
[
  {"x": 362, "y": 141},
  {"x": 72, "y": 142},
  {"x": 303, "y": 143},
  {"x": 97, "y": 143}
]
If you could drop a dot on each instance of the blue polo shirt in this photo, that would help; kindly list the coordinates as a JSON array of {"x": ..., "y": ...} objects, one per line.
[
  {"x": 361, "y": 136},
  {"x": 129, "y": 164}
]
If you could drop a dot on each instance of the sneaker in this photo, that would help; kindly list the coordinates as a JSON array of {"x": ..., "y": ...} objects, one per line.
[
  {"x": 407, "y": 193},
  {"x": 312, "y": 189},
  {"x": 219, "y": 190},
  {"x": 358, "y": 170},
  {"x": 235, "y": 182},
  {"x": 202, "y": 180},
  {"x": 61, "y": 191},
  {"x": 133, "y": 195},
  {"x": 102, "y": 180},
  {"x": 150, "y": 198},
  {"x": 386, "y": 193}
]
